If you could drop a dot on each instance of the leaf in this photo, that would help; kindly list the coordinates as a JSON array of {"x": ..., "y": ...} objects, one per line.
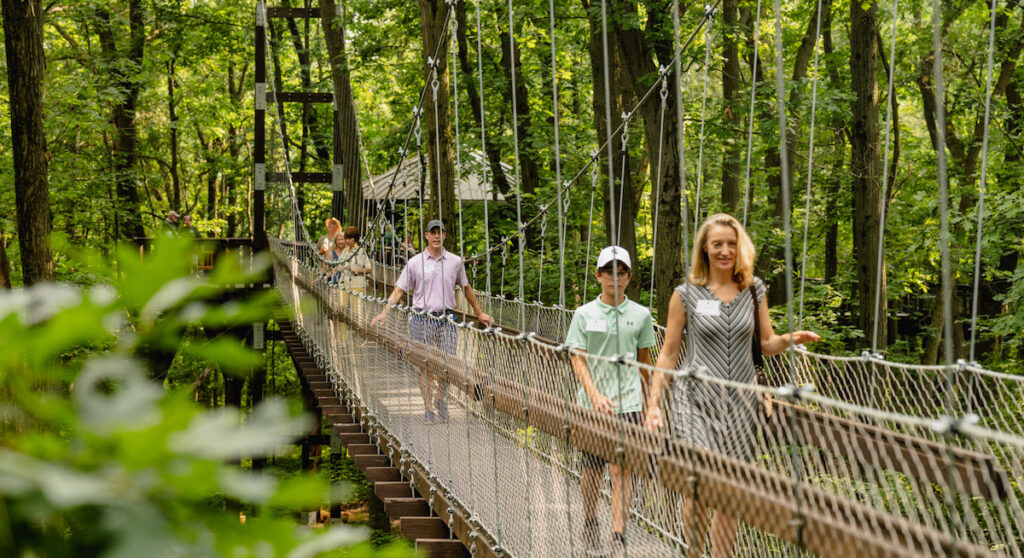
[{"x": 220, "y": 434}]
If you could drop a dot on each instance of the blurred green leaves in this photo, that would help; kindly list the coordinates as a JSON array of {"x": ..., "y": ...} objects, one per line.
[{"x": 98, "y": 459}]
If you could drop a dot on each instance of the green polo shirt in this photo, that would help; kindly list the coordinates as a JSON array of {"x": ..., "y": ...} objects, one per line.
[{"x": 594, "y": 329}]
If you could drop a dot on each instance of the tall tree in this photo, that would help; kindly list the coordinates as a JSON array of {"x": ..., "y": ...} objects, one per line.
[
  {"x": 125, "y": 73},
  {"x": 23, "y": 38},
  {"x": 619, "y": 209},
  {"x": 965, "y": 151},
  {"x": 643, "y": 50},
  {"x": 730, "y": 99},
  {"x": 866, "y": 169}
]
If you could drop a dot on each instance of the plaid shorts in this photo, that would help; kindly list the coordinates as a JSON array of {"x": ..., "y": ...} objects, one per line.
[{"x": 434, "y": 330}]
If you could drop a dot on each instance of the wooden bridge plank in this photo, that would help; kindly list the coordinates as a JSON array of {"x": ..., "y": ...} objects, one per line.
[
  {"x": 404, "y": 507},
  {"x": 441, "y": 548},
  {"x": 414, "y": 528},
  {"x": 395, "y": 489},
  {"x": 381, "y": 474},
  {"x": 364, "y": 462}
]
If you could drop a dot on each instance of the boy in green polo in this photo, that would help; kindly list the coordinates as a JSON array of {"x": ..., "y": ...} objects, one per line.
[{"x": 610, "y": 325}]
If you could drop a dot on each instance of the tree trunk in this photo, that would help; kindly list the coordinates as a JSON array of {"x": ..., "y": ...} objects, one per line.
[
  {"x": 733, "y": 150},
  {"x": 964, "y": 153},
  {"x": 641, "y": 54},
  {"x": 438, "y": 123},
  {"x": 620, "y": 221},
  {"x": 23, "y": 39},
  {"x": 833, "y": 182},
  {"x": 492, "y": 150},
  {"x": 5, "y": 264},
  {"x": 172, "y": 115},
  {"x": 866, "y": 169},
  {"x": 125, "y": 76}
]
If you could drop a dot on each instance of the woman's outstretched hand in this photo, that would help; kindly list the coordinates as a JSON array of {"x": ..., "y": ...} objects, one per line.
[{"x": 803, "y": 337}]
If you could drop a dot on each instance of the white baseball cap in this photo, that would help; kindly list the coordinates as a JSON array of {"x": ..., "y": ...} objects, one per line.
[{"x": 613, "y": 253}]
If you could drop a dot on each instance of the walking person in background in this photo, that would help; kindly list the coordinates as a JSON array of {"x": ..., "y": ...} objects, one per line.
[
  {"x": 609, "y": 326},
  {"x": 717, "y": 307},
  {"x": 431, "y": 277}
]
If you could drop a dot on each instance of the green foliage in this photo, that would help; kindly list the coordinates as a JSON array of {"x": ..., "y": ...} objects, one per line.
[{"x": 97, "y": 459}]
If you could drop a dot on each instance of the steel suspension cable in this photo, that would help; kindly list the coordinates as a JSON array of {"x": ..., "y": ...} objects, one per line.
[
  {"x": 594, "y": 159},
  {"x": 880, "y": 262},
  {"x": 983, "y": 177},
  {"x": 558, "y": 159},
  {"x": 938, "y": 75},
  {"x": 796, "y": 463},
  {"x": 753, "y": 96},
  {"x": 483, "y": 144},
  {"x": 520, "y": 226},
  {"x": 810, "y": 170},
  {"x": 657, "y": 187},
  {"x": 703, "y": 121},
  {"x": 458, "y": 142}
]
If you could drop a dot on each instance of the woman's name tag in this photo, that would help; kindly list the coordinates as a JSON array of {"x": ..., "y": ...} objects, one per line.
[
  {"x": 597, "y": 325},
  {"x": 709, "y": 307}
]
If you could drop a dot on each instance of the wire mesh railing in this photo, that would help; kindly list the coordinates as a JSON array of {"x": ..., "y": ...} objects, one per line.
[{"x": 866, "y": 464}]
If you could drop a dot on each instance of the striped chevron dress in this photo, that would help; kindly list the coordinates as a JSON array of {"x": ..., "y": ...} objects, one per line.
[{"x": 718, "y": 343}]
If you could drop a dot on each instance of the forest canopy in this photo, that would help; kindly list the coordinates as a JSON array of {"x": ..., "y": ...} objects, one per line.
[{"x": 148, "y": 107}]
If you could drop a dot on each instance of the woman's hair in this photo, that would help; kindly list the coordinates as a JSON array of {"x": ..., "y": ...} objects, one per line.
[
  {"x": 332, "y": 221},
  {"x": 352, "y": 232},
  {"x": 743, "y": 265}
]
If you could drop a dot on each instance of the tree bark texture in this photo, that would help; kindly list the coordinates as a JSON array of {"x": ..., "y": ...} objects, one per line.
[
  {"x": 438, "y": 130},
  {"x": 866, "y": 169},
  {"x": 5, "y": 264},
  {"x": 124, "y": 72},
  {"x": 642, "y": 51},
  {"x": 620, "y": 223},
  {"x": 23, "y": 39},
  {"x": 733, "y": 148},
  {"x": 840, "y": 131}
]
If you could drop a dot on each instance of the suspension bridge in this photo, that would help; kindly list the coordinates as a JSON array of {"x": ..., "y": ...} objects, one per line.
[{"x": 863, "y": 457}]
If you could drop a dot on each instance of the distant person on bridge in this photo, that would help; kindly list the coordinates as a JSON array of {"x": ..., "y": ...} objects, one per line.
[
  {"x": 609, "y": 326},
  {"x": 716, "y": 307},
  {"x": 431, "y": 277}
]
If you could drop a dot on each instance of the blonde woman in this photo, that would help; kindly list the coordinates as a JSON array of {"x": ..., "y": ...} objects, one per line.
[{"x": 715, "y": 307}]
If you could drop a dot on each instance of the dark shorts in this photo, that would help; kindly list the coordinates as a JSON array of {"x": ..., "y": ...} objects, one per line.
[
  {"x": 434, "y": 330},
  {"x": 591, "y": 461}
]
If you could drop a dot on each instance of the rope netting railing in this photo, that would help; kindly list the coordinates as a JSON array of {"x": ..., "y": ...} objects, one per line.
[{"x": 866, "y": 464}]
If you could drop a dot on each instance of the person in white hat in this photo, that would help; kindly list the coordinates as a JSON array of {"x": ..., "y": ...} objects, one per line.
[{"x": 610, "y": 326}]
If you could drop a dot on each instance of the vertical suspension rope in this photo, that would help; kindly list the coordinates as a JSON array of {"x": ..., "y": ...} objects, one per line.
[
  {"x": 709, "y": 12},
  {"x": 590, "y": 224},
  {"x": 753, "y": 96},
  {"x": 947, "y": 275},
  {"x": 521, "y": 240},
  {"x": 656, "y": 200},
  {"x": 880, "y": 255},
  {"x": 558, "y": 159},
  {"x": 608, "y": 116},
  {"x": 981, "y": 186},
  {"x": 458, "y": 146},
  {"x": 679, "y": 129},
  {"x": 434, "y": 84},
  {"x": 483, "y": 144},
  {"x": 810, "y": 169},
  {"x": 780, "y": 92}
]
